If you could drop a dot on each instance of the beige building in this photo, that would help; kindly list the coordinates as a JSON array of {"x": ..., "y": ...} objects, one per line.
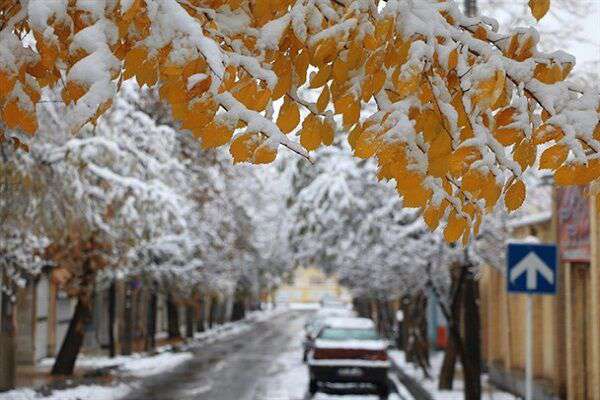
[
  {"x": 566, "y": 327},
  {"x": 311, "y": 285}
]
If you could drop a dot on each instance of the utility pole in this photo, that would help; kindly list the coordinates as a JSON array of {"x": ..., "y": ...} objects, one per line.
[{"x": 471, "y": 8}]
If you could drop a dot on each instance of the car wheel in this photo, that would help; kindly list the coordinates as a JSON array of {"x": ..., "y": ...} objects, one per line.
[
  {"x": 312, "y": 386},
  {"x": 383, "y": 391}
]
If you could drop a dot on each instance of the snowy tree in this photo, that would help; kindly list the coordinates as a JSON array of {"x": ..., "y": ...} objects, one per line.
[
  {"x": 461, "y": 106},
  {"x": 22, "y": 242}
]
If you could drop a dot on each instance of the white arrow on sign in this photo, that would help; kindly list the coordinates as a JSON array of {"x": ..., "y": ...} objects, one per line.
[{"x": 532, "y": 264}]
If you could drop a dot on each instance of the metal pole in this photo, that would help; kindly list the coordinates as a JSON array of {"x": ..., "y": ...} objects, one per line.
[{"x": 528, "y": 350}]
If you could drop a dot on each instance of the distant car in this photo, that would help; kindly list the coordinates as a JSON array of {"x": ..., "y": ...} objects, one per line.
[
  {"x": 349, "y": 350},
  {"x": 313, "y": 326}
]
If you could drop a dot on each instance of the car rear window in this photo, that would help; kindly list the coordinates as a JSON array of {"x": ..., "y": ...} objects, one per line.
[{"x": 348, "y": 334}]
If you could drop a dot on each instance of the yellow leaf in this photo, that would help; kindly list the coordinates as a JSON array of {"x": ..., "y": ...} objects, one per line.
[
  {"x": 577, "y": 174},
  {"x": 455, "y": 227},
  {"x": 490, "y": 190},
  {"x": 505, "y": 116},
  {"x": 370, "y": 42},
  {"x": 554, "y": 157},
  {"x": 261, "y": 100},
  {"x": 364, "y": 142},
  {"x": 352, "y": 114},
  {"x": 548, "y": 74},
  {"x": 524, "y": 153},
  {"x": 440, "y": 149},
  {"x": 327, "y": 133},
  {"x": 72, "y": 92},
  {"x": 213, "y": 135},
  {"x": 539, "y": 8},
  {"x": 415, "y": 196},
  {"x": 432, "y": 216},
  {"x": 471, "y": 182},
  {"x": 243, "y": 146},
  {"x": 289, "y": 116},
  {"x": 462, "y": 158},
  {"x": 301, "y": 62},
  {"x": 355, "y": 53},
  {"x": 318, "y": 79},
  {"x": 508, "y": 136},
  {"x": 515, "y": 195},
  {"x": 134, "y": 60},
  {"x": 546, "y": 133},
  {"x": 310, "y": 137},
  {"x": 174, "y": 91},
  {"x": 282, "y": 67},
  {"x": 28, "y": 122},
  {"x": 325, "y": 51},
  {"x": 489, "y": 90},
  {"x": 378, "y": 81},
  {"x": 340, "y": 104},
  {"x": 11, "y": 114},
  {"x": 264, "y": 154},
  {"x": 367, "y": 89},
  {"x": 200, "y": 87},
  {"x": 409, "y": 185},
  {"x": 340, "y": 70},
  {"x": 323, "y": 99},
  {"x": 6, "y": 84},
  {"x": 453, "y": 59}
]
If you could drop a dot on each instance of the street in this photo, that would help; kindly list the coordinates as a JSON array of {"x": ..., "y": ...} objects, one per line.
[{"x": 261, "y": 364}]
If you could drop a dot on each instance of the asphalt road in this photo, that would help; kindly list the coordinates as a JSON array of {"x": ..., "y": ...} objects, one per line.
[
  {"x": 263, "y": 363},
  {"x": 229, "y": 369}
]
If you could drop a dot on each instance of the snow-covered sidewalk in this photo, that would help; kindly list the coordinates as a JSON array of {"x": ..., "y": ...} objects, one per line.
[
  {"x": 431, "y": 385},
  {"x": 125, "y": 370}
]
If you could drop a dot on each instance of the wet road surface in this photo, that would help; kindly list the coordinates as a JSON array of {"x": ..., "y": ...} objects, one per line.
[
  {"x": 229, "y": 369},
  {"x": 263, "y": 363}
]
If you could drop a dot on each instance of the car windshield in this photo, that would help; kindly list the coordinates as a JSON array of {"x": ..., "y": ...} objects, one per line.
[{"x": 348, "y": 334}]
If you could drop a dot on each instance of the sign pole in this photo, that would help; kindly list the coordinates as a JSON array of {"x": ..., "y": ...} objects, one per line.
[
  {"x": 528, "y": 350},
  {"x": 531, "y": 270}
]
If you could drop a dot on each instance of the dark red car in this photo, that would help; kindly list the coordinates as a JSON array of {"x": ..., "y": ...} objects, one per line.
[{"x": 349, "y": 353}]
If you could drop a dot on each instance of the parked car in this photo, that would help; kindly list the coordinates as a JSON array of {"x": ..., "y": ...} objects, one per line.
[
  {"x": 313, "y": 325},
  {"x": 349, "y": 351}
]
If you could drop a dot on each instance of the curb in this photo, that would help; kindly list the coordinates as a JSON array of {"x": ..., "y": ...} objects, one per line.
[{"x": 411, "y": 384}]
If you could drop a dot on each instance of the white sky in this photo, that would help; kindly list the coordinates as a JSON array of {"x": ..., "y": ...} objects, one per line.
[
  {"x": 578, "y": 19},
  {"x": 588, "y": 49}
]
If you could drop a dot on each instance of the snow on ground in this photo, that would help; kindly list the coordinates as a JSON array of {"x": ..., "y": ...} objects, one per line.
[
  {"x": 431, "y": 385},
  {"x": 235, "y": 328},
  {"x": 95, "y": 392},
  {"x": 303, "y": 306},
  {"x": 139, "y": 365}
]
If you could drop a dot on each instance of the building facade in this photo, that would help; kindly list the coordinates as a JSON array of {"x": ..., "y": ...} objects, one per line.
[
  {"x": 566, "y": 326},
  {"x": 311, "y": 285}
]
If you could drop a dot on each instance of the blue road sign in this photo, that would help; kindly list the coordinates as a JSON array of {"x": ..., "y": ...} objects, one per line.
[{"x": 531, "y": 268}]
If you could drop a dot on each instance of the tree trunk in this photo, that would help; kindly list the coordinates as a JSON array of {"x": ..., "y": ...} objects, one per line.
[
  {"x": 415, "y": 322},
  {"x": 67, "y": 356},
  {"x": 150, "y": 342},
  {"x": 200, "y": 327},
  {"x": 446, "y": 376},
  {"x": 127, "y": 346},
  {"x": 239, "y": 310},
  {"x": 173, "y": 319},
  {"x": 112, "y": 293},
  {"x": 212, "y": 317},
  {"x": 471, "y": 360},
  {"x": 446, "y": 379},
  {"x": 189, "y": 321},
  {"x": 8, "y": 364}
]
